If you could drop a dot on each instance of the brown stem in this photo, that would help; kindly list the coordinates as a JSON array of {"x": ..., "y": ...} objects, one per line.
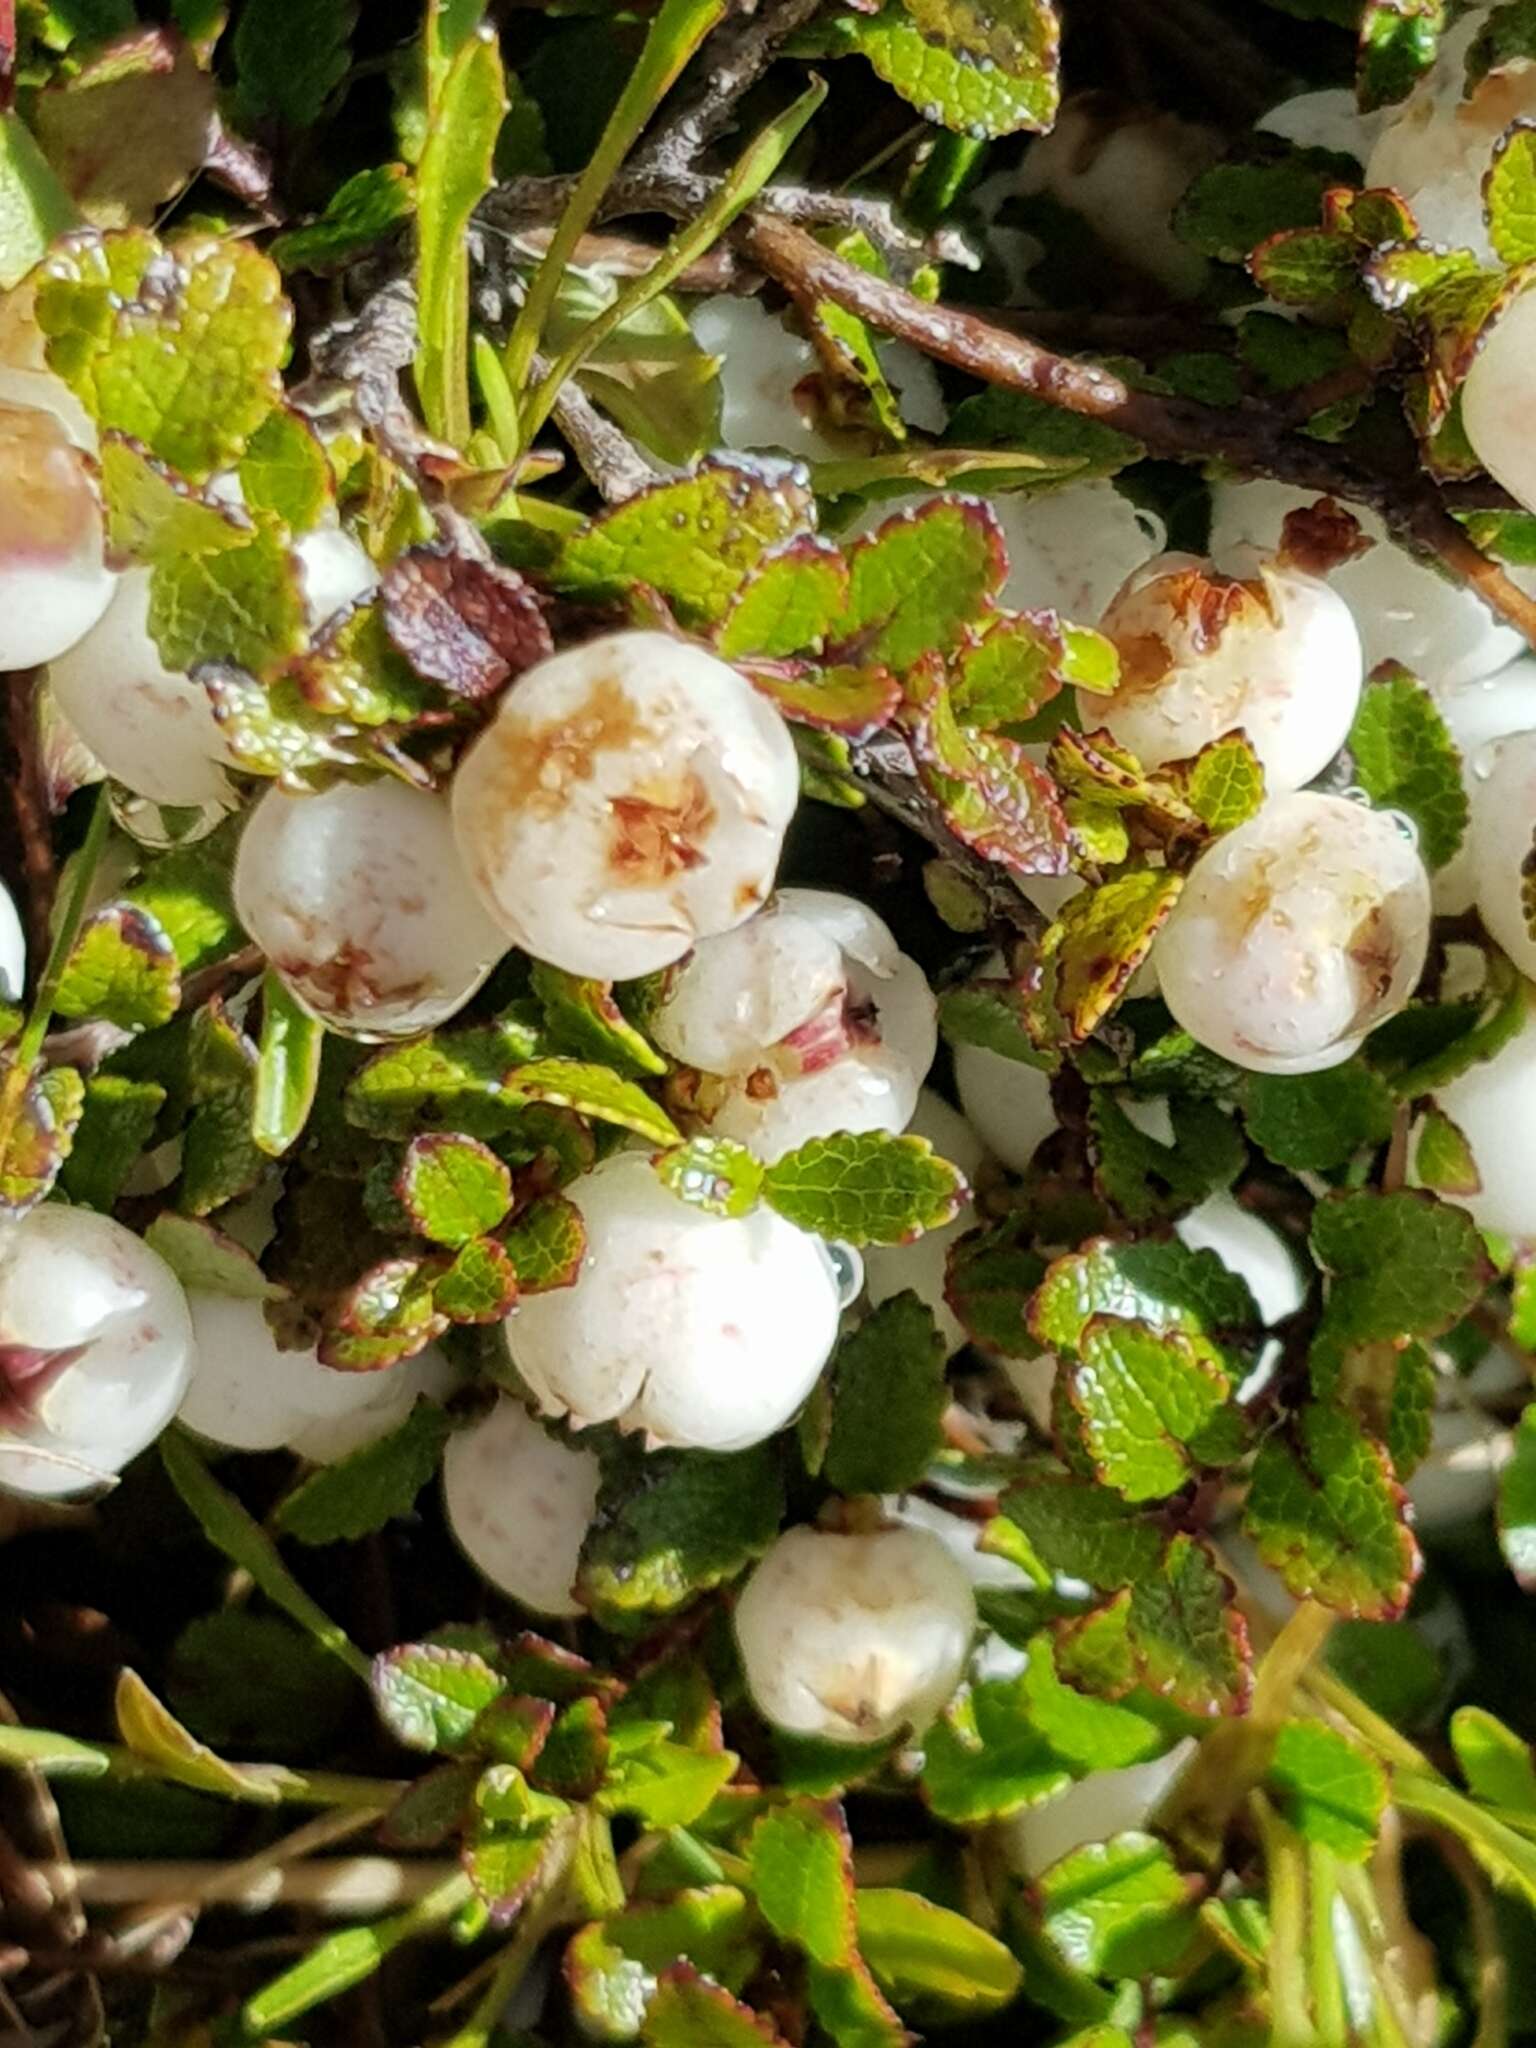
[
  {"x": 1249, "y": 437},
  {"x": 29, "y": 859},
  {"x": 730, "y": 64},
  {"x": 611, "y": 460}
]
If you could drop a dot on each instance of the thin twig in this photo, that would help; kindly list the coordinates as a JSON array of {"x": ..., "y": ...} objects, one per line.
[
  {"x": 32, "y": 858},
  {"x": 1249, "y": 437},
  {"x": 730, "y": 64},
  {"x": 339, "y": 1885},
  {"x": 611, "y": 460}
]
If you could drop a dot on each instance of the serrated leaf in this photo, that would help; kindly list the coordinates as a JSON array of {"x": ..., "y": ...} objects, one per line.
[
  {"x": 596, "y": 1092},
  {"x": 243, "y": 606},
  {"x": 951, "y": 85},
  {"x": 480, "y": 1286},
  {"x": 285, "y": 472},
  {"x": 1081, "y": 1529},
  {"x": 360, "y": 214},
  {"x": 984, "y": 1759},
  {"x": 688, "y": 2011},
  {"x": 1406, "y": 760},
  {"x": 995, "y": 799},
  {"x": 504, "y": 1867},
  {"x": 1332, "y": 1792},
  {"x": 672, "y": 1524},
  {"x": 187, "y": 893},
  {"x": 1177, "y": 1633},
  {"x": 1517, "y": 1503},
  {"x": 1008, "y": 673},
  {"x": 612, "y": 1965},
  {"x": 453, "y": 1080},
  {"x": 1401, "y": 1265},
  {"x": 387, "y": 1315},
  {"x": 990, "y": 1278},
  {"x": 1165, "y": 1285},
  {"x": 118, "y": 1118},
  {"x": 121, "y": 969},
  {"x": 429, "y": 1695},
  {"x": 546, "y": 1244},
  {"x": 1313, "y": 1123},
  {"x": 1398, "y": 41},
  {"x": 866, "y": 1188},
  {"x": 220, "y": 1157},
  {"x": 204, "y": 1259},
  {"x": 1223, "y": 784},
  {"x": 1099, "y": 940},
  {"x": 996, "y": 1015},
  {"x": 936, "y": 1966},
  {"x": 666, "y": 1784},
  {"x": 1146, "y": 1180},
  {"x": 695, "y": 541},
  {"x": 1233, "y": 207},
  {"x": 789, "y": 605},
  {"x": 344, "y": 1502},
  {"x": 176, "y": 345},
  {"x": 888, "y": 1399},
  {"x": 1326, "y": 1512},
  {"x": 715, "y": 1174},
  {"x": 921, "y": 577},
  {"x": 582, "y": 1019},
  {"x": 1313, "y": 268},
  {"x": 1144, "y": 1396},
  {"x": 846, "y": 699},
  {"x": 453, "y": 1188},
  {"x": 153, "y": 515},
  {"x": 1118, "y": 1908}
]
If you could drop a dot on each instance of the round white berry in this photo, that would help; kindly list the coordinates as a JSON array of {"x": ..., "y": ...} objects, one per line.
[
  {"x": 334, "y": 571},
  {"x": 151, "y": 729},
  {"x": 1102, "y": 1805},
  {"x": 1501, "y": 834},
  {"x": 358, "y": 899},
  {"x": 1007, "y": 1103},
  {"x": 54, "y": 580},
  {"x": 1125, "y": 174},
  {"x": 1297, "y": 934},
  {"x": 1260, "y": 647},
  {"x": 247, "y": 1394},
  {"x": 1404, "y": 610},
  {"x": 629, "y": 799},
  {"x": 1478, "y": 714},
  {"x": 923, "y": 1265},
  {"x": 699, "y": 1330},
  {"x": 853, "y": 1638},
  {"x": 1498, "y": 400},
  {"x": 1459, "y": 1477},
  {"x": 519, "y": 1503},
  {"x": 1493, "y": 1105},
  {"x": 35, "y": 385},
  {"x": 1250, "y": 1248},
  {"x": 95, "y": 1350},
  {"x": 811, "y": 1019}
]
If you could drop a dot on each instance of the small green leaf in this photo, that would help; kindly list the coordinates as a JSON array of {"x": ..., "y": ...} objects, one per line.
[
  {"x": 344, "y": 1502},
  {"x": 34, "y": 207},
  {"x": 1081, "y": 1529},
  {"x": 673, "y": 1524},
  {"x": 117, "y": 1123},
  {"x": 1233, "y": 207},
  {"x": 1177, "y": 1633},
  {"x": 284, "y": 471},
  {"x": 1325, "y": 1511},
  {"x": 612, "y": 1965},
  {"x": 715, "y": 1174},
  {"x": 1313, "y": 1123},
  {"x": 667, "y": 1784},
  {"x": 788, "y": 605},
  {"x": 936, "y": 1967},
  {"x": 1144, "y": 1395},
  {"x": 122, "y": 969},
  {"x": 205, "y": 1260},
  {"x": 1332, "y": 1792},
  {"x": 921, "y": 577},
  {"x": 866, "y": 1188},
  {"x": 1495, "y": 1762},
  {"x": 1406, "y": 760},
  {"x": 152, "y": 515},
  {"x": 888, "y": 1400},
  {"x": 546, "y": 1244},
  {"x": 1443, "y": 1161},
  {"x": 1165, "y": 1285},
  {"x": 938, "y": 57},
  {"x": 152, "y": 1731},
  {"x": 596, "y": 1092},
  {"x": 990, "y": 1278},
  {"x": 244, "y": 606},
  {"x": 998, "y": 1016},
  {"x": 695, "y": 541},
  {"x": 220, "y": 1159},
  {"x": 994, "y": 797},
  {"x": 179, "y": 346},
  {"x": 387, "y": 1315},
  {"x": 453, "y": 177},
  {"x": 1224, "y": 783},
  {"x": 984, "y": 1758},
  {"x": 688, "y": 2011},
  {"x": 1398, "y": 41},
  {"x": 231, "y": 1529},
  {"x": 453, "y": 1188},
  {"x": 187, "y": 893},
  {"x": 430, "y": 1695},
  {"x": 1517, "y": 1503},
  {"x": 1402, "y": 1265},
  {"x": 1099, "y": 940},
  {"x": 56, "y": 1756},
  {"x": 290, "y": 57},
  {"x": 360, "y": 214},
  {"x": 450, "y": 1080},
  {"x": 287, "y": 1069},
  {"x": 1146, "y": 1180},
  {"x": 1118, "y": 1908},
  {"x": 583, "y": 1020},
  {"x": 480, "y": 1286}
]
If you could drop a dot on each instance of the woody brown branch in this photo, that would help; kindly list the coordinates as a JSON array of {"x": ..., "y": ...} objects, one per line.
[{"x": 1249, "y": 437}]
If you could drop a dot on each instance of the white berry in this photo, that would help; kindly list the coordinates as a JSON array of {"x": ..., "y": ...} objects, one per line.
[
  {"x": 1259, "y": 647},
  {"x": 1297, "y": 934},
  {"x": 1096, "y": 1808},
  {"x": 95, "y": 1350},
  {"x": 54, "y": 581},
  {"x": 923, "y": 1265},
  {"x": 13, "y": 948},
  {"x": 853, "y": 1638},
  {"x": 1493, "y": 1105},
  {"x": 629, "y": 799},
  {"x": 1498, "y": 400},
  {"x": 1250, "y": 1248},
  {"x": 1477, "y": 715},
  {"x": 1069, "y": 550},
  {"x": 1501, "y": 835},
  {"x": 811, "y": 1019},
  {"x": 358, "y": 899},
  {"x": 698, "y": 1330},
  {"x": 1405, "y": 611},
  {"x": 247, "y": 1394},
  {"x": 519, "y": 1503},
  {"x": 1007, "y": 1103}
]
